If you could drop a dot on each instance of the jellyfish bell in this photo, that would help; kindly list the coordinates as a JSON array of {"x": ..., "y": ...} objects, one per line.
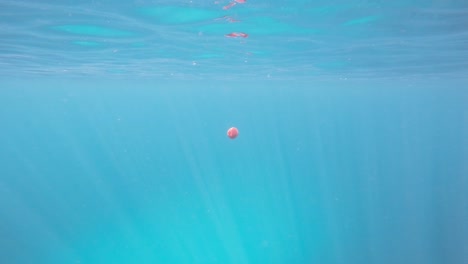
[{"x": 232, "y": 132}]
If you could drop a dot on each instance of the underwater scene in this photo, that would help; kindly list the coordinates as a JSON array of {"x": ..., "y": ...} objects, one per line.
[{"x": 233, "y": 131}]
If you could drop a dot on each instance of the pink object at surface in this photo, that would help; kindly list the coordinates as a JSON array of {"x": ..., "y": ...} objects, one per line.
[
  {"x": 237, "y": 35},
  {"x": 233, "y": 3}
]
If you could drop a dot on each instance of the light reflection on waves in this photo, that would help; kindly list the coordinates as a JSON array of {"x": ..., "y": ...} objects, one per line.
[{"x": 29, "y": 45}]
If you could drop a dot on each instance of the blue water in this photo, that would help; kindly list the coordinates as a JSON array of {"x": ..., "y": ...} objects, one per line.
[{"x": 353, "y": 144}]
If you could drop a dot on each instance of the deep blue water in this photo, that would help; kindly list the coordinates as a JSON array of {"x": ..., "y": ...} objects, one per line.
[{"x": 353, "y": 144}]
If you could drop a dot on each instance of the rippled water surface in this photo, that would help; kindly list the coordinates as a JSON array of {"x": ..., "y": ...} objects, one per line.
[{"x": 187, "y": 39}]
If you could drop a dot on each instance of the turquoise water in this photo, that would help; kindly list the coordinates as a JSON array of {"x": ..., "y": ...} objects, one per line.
[{"x": 353, "y": 141}]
